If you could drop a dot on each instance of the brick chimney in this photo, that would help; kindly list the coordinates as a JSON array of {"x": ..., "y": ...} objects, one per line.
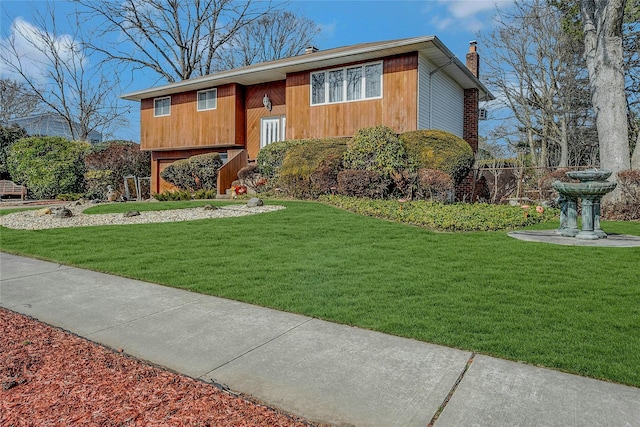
[
  {"x": 470, "y": 130},
  {"x": 473, "y": 59},
  {"x": 467, "y": 188}
]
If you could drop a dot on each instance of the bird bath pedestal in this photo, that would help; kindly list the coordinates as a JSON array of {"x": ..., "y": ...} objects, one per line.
[{"x": 592, "y": 186}]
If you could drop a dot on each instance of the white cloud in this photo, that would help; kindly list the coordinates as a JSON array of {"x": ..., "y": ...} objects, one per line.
[
  {"x": 471, "y": 15},
  {"x": 27, "y": 47},
  {"x": 328, "y": 30}
]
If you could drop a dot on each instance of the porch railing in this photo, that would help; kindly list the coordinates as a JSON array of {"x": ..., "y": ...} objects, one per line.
[{"x": 229, "y": 171}]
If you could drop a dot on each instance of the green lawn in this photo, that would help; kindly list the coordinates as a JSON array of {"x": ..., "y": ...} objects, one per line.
[{"x": 576, "y": 309}]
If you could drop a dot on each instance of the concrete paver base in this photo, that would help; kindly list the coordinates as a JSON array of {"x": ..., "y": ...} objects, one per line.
[{"x": 497, "y": 393}]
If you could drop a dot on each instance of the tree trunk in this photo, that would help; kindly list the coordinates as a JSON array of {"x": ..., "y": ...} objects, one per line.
[
  {"x": 635, "y": 158},
  {"x": 564, "y": 143},
  {"x": 602, "y": 20}
]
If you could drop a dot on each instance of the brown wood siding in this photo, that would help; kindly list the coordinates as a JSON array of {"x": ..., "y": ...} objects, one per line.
[
  {"x": 188, "y": 128},
  {"x": 397, "y": 108},
  {"x": 255, "y": 110}
]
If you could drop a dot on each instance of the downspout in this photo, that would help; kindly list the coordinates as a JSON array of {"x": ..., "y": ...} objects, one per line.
[{"x": 431, "y": 73}]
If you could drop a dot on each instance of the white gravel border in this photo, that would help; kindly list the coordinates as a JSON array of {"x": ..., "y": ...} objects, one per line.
[{"x": 32, "y": 220}]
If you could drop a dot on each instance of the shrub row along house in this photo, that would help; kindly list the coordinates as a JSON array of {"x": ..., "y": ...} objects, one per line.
[{"x": 406, "y": 84}]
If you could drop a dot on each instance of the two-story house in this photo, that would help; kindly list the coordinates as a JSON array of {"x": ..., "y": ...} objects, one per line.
[{"x": 407, "y": 84}]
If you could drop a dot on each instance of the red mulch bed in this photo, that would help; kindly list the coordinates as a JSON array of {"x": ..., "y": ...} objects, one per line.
[{"x": 51, "y": 377}]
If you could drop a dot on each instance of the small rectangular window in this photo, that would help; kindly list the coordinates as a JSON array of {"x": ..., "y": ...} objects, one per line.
[
  {"x": 317, "y": 88},
  {"x": 207, "y": 99},
  {"x": 373, "y": 80},
  {"x": 354, "y": 83},
  {"x": 336, "y": 82},
  {"x": 162, "y": 106}
]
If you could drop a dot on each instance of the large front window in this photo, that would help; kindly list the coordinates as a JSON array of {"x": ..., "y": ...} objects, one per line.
[{"x": 347, "y": 84}]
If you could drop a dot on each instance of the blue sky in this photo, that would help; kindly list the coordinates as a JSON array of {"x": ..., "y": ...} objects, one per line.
[{"x": 455, "y": 22}]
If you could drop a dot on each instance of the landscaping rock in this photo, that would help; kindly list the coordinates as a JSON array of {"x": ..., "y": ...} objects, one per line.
[
  {"x": 129, "y": 214},
  {"x": 43, "y": 212},
  {"x": 62, "y": 213},
  {"x": 209, "y": 207},
  {"x": 254, "y": 202}
]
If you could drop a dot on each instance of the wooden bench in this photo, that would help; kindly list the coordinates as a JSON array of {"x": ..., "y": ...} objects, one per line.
[{"x": 9, "y": 188}]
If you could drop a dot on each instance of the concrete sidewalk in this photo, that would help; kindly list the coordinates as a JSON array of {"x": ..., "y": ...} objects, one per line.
[{"x": 322, "y": 371}]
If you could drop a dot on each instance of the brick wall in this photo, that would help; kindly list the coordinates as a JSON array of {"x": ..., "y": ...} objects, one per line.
[{"x": 467, "y": 190}]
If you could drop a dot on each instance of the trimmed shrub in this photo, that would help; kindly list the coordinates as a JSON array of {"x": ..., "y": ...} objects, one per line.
[
  {"x": 195, "y": 173},
  {"x": 376, "y": 149},
  {"x": 48, "y": 166},
  {"x": 311, "y": 168},
  {"x": 122, "y": 158},
  {"x": 363, "y": 183},
  {"x": 205, "y": 170},
  {"x": 444, "y": 217},
  {"x": 204, "y": 193},
  {"x": 172, "y": 196},
  {"x": 180, "y": 174},
  {"x": 270, "y": 158},
  {"x": 435, "y": 185},
  {"x": 440, "y": 150}
]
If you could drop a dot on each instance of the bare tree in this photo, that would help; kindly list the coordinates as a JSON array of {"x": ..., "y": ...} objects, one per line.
[
  {"x": 60, "y": 73},
  {"x": 602, "y": 24},
  {"x": 175, "y": 39},
  {"x": 539, "y": 72},
  {"x": 16, "y": 100},
  {"x": 276, "y": 35}
]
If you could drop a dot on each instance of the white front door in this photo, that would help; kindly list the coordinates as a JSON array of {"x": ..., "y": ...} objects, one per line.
[{"x": 271, "y": 130}]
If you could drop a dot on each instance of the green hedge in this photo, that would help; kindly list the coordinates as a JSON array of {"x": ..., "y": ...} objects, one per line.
[
  {"x": 376, "y": 149},
  {"x": 440, "y": 150},
  {"x": 270, "y": 158},
  {"x": 195, "y": 173},
  {"x": 311, "y": 168},
  {"x": 48, "y": 166},
  {"x": 445, "y": 217}
]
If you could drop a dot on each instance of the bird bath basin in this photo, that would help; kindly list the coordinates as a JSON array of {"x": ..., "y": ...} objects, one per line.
[{"x": 592, "y": 187}]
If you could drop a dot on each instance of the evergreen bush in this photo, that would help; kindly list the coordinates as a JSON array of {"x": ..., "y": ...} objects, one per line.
[
  {"x": 270, "y": 158},
  {"x": 48, "y": 165},
  {"x": 440, "y": 150},
  {"x": 311, "y": 168},
  {"x": 172, "y": 196},
  {"x": 180, "y": 174},
  {"x": 376, "y": 149},
  {"x": 195, "y": 173},
  {"x": 205, "y": 170}
]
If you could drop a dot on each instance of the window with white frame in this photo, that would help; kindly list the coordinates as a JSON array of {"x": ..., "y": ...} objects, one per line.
[
  {"x": 162, "y": 106},
  {"x": 207, "y": 99},
  {"x": 347, "y": 84}
]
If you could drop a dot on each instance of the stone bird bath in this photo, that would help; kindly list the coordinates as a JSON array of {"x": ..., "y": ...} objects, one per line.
[{"x": 592, "y": 187}]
